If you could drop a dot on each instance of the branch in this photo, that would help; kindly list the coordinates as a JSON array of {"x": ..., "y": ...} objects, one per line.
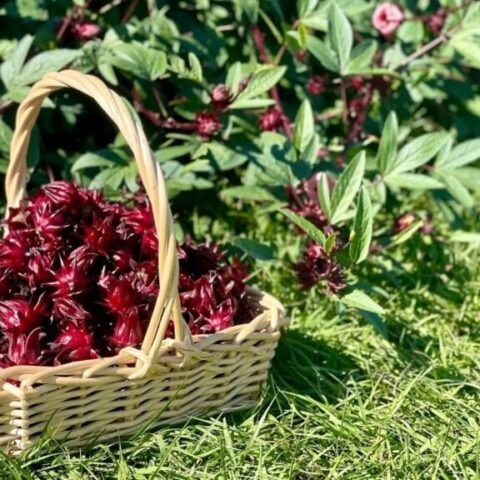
[{"x": 443, "y": 37}]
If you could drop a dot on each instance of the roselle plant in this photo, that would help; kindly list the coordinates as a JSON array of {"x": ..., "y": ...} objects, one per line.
[
  {"x": 312, "y": 130},
  {"x": 78, "y": 278}
]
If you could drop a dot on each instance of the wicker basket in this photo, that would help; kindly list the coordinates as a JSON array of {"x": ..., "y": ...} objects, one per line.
[{"x": 166, "y": 380}]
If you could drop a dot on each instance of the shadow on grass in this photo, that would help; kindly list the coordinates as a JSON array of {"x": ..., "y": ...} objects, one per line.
[{"x": 308, "y": 366}]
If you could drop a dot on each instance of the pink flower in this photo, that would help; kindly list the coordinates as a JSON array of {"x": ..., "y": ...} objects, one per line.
[
  {"x": 221, "y": 96},
  {"x": 85, "y": 31},
  {"x": 270, "y": 120},
  {"x": 316, "y": 85},
  {"x": 387, "y": 18},
  {"x": 207, "y": 124}
]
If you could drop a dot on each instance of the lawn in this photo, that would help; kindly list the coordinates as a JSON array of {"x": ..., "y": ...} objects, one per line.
[{"x": 345, "y": 399}]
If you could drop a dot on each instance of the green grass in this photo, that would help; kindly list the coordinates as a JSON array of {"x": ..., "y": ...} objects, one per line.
[{"x": 343, "y": 401}]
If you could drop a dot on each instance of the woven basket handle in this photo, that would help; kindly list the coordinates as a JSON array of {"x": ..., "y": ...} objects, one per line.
[{"x": 168, "y": 302}]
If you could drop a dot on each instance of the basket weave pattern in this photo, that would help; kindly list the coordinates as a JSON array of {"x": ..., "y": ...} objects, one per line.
[{"x": 165, "y": 380}]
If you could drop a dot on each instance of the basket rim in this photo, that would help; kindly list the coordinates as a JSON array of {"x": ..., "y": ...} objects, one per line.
[{"x": 271, "y": 319}]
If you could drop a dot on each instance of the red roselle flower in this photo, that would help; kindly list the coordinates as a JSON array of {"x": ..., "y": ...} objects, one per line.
[
  {"x": 403, "y": 222},
  {"x": 207, "y": 124},
  {"x": 84, "y": 31},
  {"x": 317, "y": 266},
  {"x": 221, "y": 97},
  {"x": 79, "y": 278},
  {"x": 387, "y": 18},
  {"x": 436, "y": 21},
  {"x": 316, "y": 85},
  {"x": 270, "y": 120}
]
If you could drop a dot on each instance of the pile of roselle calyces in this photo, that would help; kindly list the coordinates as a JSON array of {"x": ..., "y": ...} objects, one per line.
[{"x": 79, "y": 278}]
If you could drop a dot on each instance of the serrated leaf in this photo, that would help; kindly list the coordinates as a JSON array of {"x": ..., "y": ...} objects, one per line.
[
  {"x": 347, "y": 187},
  {"x": 304, "y": 128},
  {"x": 362, "y": 301},
  {"x": 45, "y": 62},
  {"x": 362, "y": 229},
  {"x": 340, "y": 35},
  {"x": 262, "y": 81},
  {"x": 387, "y": 150},
  {"x": 11, "y": 68},
  {"x": 257, "y": 250},
  {"x": 413, "y": 181},
  {"x": 419, "y": 151},
  {"x": 308, "y": 227}
]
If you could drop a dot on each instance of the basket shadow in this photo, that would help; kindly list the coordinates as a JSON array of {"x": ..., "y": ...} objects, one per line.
[{"x": 308, "y": 366}]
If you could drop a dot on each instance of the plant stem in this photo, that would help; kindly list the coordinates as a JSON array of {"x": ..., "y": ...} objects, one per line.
[
  {"x": 343, "y": 96},
  {"x": 66, "y": 22},
  {"x": 443, "y": 37},
  {"x": 259, "y": 41}
]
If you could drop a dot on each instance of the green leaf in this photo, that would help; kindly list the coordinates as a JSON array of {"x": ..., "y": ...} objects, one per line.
[
  {"x": 406, "y": 234},
  {"x": 234, "y": 77},
  {"x": 460, "y": 236},
  {"x": 340, "y": 35},
  {"x": 169, "y": 153},
  {"x": 91, "y": 160},
  {"x": 262, "y": 81},
  {"x": 323, "y": 54},
  {"x": 457, "y": 190},
  {"x": 252, "y": 193},
  {"x": 330, "y": 243},
  {"x": 444, "y": 153},
  {"x": 347, "y": 187},
  {"x": 257, "y": 250},
  {"x": 413, "y": 181},
  {"x": 146, "y": 63},
  {"x": 308, "y": 227},
  {"x": 304, "y": 129},
  {"x": 362, "y": 301},
  {"x": 362, "y": 229},
  {"x": 45, "y": 62},
  {"x": 304, "y": 7},
  {"x": 251, "y": 103},
  {"x": 419, "y": 151},
  {"x": 324, "y": 195},
  {"x": 195, "y": 66},
  {"x": 310, "y": 153},
  {"x": 11, "y": 68},
  {"x": 362, "y": 55},
  {"x": 462, "y": 154},
  {"x": 387, "y": 150}
]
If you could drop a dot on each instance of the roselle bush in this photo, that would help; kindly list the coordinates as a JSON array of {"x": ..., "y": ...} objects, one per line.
[
  {"x": 78, "y": 278},
  {"x": 311, "y": 131}
]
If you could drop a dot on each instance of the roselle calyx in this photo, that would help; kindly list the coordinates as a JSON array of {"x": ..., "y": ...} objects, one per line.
[{"x": 79, "y": 278}]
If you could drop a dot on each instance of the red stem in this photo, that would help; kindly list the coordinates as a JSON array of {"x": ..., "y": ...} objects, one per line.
[{"x": 259, "y": 41}]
